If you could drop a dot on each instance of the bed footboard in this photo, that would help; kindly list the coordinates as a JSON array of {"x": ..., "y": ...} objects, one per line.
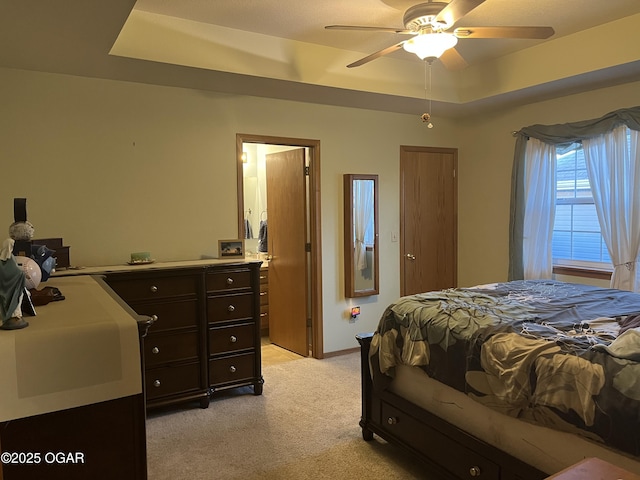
[
  {"x": 367, "y": 385},
  {"x": 447, "y": 451}
]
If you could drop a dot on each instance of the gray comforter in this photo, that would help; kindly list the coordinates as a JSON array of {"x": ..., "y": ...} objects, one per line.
[{"x": 561, "y": 355}]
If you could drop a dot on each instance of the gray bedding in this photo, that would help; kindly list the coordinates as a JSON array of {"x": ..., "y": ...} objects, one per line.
[{"x": 556, "y": 354}]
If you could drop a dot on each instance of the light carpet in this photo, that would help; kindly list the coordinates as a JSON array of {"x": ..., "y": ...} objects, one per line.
[{"x": 303, "y": 426}]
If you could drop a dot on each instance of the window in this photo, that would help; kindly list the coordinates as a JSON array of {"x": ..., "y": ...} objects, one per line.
[
  {"x": 553, "y": 225},
  {"x": 577, "y": 240}
]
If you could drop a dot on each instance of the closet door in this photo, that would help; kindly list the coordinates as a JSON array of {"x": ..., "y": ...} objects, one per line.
[{"x": 428, "y": 219}]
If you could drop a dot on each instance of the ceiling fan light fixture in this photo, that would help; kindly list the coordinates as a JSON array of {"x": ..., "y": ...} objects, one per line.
[{"x": 430, "y": 45}]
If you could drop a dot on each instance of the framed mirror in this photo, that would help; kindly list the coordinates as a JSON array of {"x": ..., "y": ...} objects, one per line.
[{"x": 361, "y": 248}]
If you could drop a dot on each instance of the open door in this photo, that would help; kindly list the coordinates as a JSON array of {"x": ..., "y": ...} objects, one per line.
[{"x": 287, "y": 240}]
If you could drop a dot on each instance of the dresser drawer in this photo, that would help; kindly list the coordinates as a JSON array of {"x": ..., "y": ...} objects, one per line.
[
  {"x": 264, "y": 316},
  {"x": 163, "y": 381},
  {"x": 230, "y": 307},
  {"x": 264, "y": 296},
  {"x": 234, "y": 368},
  {"x": 170, "y": 314},
  {"x": 160, "y": 349},
  {"x": 231, "y": 338},
  {"x": 430, "y": 442},
  {"x": 228, "y": 280},
  {"x": 151, "y": 288}
]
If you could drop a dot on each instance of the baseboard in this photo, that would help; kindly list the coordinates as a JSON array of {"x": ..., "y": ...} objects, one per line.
[{"x": 341, "y": 352}]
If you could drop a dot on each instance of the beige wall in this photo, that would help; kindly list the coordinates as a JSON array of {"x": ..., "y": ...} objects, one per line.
[
  {"x": 117, "y": 167},
  {"x": 484, "y": 181}
]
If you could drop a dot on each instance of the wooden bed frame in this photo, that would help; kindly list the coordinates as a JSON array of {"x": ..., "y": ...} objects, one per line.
[{"x": 448, "y": 451}]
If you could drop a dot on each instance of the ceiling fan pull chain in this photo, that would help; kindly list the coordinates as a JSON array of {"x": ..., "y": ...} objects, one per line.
[
  {"x": 426, "y": 117},
  {"x": 429, "y": 63}
]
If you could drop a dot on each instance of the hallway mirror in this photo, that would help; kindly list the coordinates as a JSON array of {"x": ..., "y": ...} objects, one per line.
[{"x": 361, "y": 247}]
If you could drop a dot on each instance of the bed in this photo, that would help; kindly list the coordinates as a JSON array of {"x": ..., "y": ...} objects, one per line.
[{"x": 513, "y": 380}]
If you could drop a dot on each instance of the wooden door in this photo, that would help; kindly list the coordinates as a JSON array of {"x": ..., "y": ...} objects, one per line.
[
  {"x": 286, "y": 237},
  {"x": 428, "y": 219}
]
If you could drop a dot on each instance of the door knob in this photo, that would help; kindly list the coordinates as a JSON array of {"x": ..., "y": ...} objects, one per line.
[{"x": 411, "y": 256}]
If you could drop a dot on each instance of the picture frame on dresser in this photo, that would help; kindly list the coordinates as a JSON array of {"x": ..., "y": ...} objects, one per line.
[{"x": 231, "y": 248}]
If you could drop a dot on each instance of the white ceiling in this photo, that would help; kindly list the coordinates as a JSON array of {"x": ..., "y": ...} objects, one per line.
[{"x": 279, "y": 48}]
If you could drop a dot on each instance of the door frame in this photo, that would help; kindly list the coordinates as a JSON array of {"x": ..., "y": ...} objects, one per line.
[{"x": 315, "y": 237}]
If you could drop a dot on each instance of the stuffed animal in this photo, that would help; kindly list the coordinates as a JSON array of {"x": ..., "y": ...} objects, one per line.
[{"x": 20, "y": 230}]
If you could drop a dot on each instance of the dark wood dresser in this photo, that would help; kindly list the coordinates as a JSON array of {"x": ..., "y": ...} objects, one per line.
[
  {"x": 233, "y": 324},
  {"x": 175, "y": 348},
  {"x": 264, "y": 301},
  {"x": 206, "y": 334},
  {"x": 73, "y": 403}
]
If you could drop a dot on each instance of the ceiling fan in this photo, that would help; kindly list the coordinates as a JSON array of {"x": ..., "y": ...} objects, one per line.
[{"x": 429, "y": 25}]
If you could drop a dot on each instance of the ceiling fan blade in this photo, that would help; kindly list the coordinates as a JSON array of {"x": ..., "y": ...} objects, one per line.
[
  {"x": 452, "y": 60},
  {"x": 456, "y": 10},
  {"x": 504, "y": 32},
  {"x": 375, "y": 55},
  {"x": 370, "y": 29}
]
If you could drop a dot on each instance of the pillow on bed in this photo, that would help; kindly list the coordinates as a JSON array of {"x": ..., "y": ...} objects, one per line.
[
  {"x": 632, "y": 321},
  {"x": 626, "y": 346}
]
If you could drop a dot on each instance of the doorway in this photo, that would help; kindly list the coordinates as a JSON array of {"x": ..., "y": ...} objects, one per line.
[
  {"x": 428, "y": 219},
  {"x": 293, "y": 164}
]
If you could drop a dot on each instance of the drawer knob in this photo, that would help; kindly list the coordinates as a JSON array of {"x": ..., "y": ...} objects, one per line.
[
  {"x": 156, "y": 383},
  {"x": 232, "y": 369},
  {"x": 392, "y": 420},
  {"x": 475, "y": 471},
  {"x": 155, "y": 350},
  {"x": 231, "y": 308},
  {"x": 153, "y": 289},
  {"x": 233, "y": 339},
  {"x": 229, "y": 281}
]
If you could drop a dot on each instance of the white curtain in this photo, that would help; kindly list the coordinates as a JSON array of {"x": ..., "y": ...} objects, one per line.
[
  {"x": 614, "y": 173},
  {"x": 363, "y": 215},
  {"x": 539, "y": 211}
]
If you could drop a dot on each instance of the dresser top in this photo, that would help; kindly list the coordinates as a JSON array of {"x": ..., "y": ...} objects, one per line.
[
  {"x": 126, "y": 267},
  {"x": 78, "y": 351}
]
